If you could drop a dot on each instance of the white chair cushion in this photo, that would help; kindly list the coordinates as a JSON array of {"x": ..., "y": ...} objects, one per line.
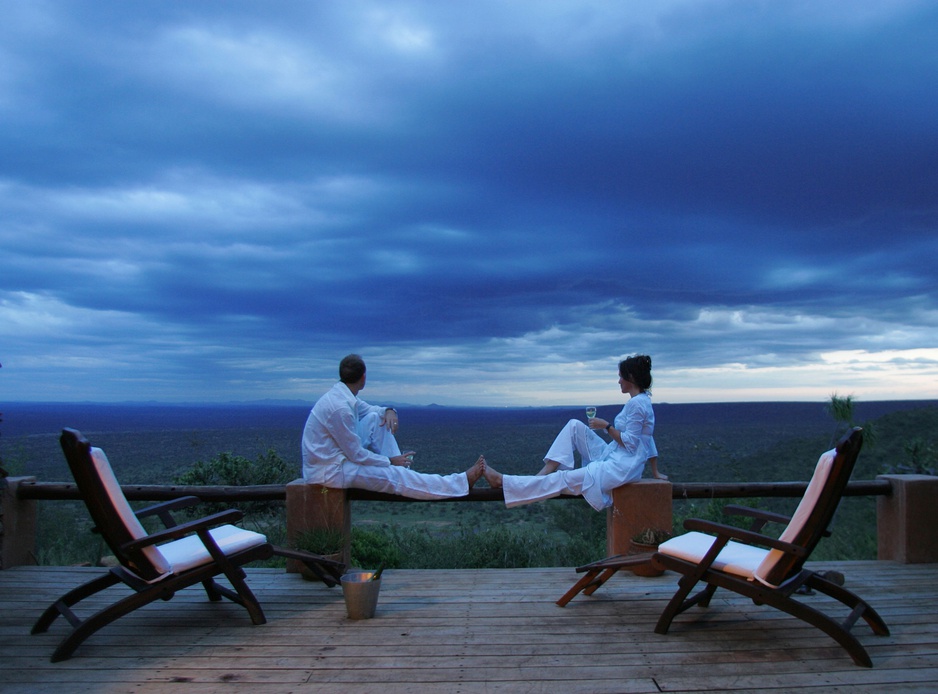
[
  {"x": 130, "y": 520},
  {"x": 189, "y": 552},
  {"x": 796, "y": 524},
  {"x": 745, "y": 560},
  {"x": 736, "y": 558}
]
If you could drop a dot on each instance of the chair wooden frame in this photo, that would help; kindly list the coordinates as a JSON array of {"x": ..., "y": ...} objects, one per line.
[
  {"x": 597, "y": 573},
  {"x": 781, "y": 579},
  {"x": 782, "y": 582},
  {"x": 137, "y": 569}
]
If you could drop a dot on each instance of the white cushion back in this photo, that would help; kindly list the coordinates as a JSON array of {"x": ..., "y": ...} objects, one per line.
[
  {"x": 801, "y": 515},
  {"x": 119, "y": 501}
]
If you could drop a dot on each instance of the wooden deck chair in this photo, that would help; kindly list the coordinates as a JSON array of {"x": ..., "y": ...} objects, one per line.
[
  {"x": 156, "y": 565},
  {"x": 770, "y": 571}
]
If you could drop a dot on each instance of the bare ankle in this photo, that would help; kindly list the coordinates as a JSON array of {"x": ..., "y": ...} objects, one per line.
[
  {"x": 493, "y": 477},
  {"x": 549, "y": 467}
]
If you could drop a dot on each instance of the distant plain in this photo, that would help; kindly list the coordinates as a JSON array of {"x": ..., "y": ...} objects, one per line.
[{"x": 720, "y": 442}]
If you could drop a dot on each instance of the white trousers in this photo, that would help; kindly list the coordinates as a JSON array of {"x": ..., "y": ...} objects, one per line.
[
  {"x": 575, "y": 436},
  {"x": 402, "y": 481},
  {"x": 394, "y": 479},
  {"x": 526, "y": 489}
]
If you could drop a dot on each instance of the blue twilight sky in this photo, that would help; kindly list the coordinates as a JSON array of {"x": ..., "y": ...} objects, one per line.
[{"x": 492, "y": 202}]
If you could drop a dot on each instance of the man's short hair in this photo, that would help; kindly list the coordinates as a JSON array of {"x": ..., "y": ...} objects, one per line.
[{"x": 351, "y": 369}]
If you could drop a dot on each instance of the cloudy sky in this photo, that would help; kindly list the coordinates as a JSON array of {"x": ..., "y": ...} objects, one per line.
[{"x": 492, "y": 201}]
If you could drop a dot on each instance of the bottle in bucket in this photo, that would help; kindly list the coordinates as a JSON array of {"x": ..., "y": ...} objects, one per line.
[{"x": 360, "y": 589}]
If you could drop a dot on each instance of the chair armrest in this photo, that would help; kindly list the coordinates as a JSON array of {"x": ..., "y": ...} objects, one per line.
[
  {"x": 171, "y": 505},
  {"x": 232, "y": 515},
  {"x": 770, "y": 516},
  {"x": 746, "y": 536},
  {"x": 163, "y": 509},
  {"x": 759, "y": 516}
]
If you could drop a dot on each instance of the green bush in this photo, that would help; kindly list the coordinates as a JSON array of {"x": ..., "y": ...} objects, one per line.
[
  {"x": 77, "y": 546},
  {"x": 469, "y": 547},
  {"x": 234, "y": 470},
  {"x": 371, "y": 549},
  {"x": 923, "y": 459},
  {"x": 230, "y": 470}
]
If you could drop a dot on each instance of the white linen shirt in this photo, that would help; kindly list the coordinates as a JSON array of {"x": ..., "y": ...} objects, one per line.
[
  {"x": 330, "y": 437},
  {"x": 620, "y": 464}
]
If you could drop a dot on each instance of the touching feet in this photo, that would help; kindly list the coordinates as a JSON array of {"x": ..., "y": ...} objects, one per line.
[
  {"x": 476, "y": 471},
  {"x": 492, "y": 476}
]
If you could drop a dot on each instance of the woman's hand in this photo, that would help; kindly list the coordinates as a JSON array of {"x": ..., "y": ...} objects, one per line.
[{"x": 597, "y": 423}]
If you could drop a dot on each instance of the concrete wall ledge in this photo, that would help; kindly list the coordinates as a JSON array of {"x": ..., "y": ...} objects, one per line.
[{"x": 907, "y": 520}]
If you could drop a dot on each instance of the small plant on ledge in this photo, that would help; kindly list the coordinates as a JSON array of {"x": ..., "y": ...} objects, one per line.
[
  {"x": 322, "y": 541},
  {"x": 326, "y": 542},
  {"x": 646, "y": 542},
  {"x": 651, "y": 537}
]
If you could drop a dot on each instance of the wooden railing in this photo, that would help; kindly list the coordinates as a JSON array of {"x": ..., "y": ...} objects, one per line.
[
  {"x": 66, "y": 491},
  {"x": 907, "y": 517}
]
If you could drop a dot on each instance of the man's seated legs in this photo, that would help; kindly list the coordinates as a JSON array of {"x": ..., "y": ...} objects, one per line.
[{"x": 377, "y": 438}]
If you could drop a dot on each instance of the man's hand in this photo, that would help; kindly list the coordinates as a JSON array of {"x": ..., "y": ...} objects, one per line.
[
  {"x": 390, "y": 420},
  {"x": 404, "y": 459}
]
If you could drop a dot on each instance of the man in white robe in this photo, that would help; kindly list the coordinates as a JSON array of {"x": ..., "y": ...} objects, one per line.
[{"x": 349, "y": 443}]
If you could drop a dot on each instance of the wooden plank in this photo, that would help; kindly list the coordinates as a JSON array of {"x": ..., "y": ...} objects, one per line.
[{"x": 470, "y": 631}]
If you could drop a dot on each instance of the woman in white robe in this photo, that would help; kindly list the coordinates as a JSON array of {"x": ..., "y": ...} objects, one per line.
[{"x": 605, "y": 465}]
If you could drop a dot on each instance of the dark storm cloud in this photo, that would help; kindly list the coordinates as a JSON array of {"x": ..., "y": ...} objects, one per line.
[{"x": 217, "y": 201}]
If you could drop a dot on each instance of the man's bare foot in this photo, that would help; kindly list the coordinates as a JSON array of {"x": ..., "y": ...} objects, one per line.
[
  {"x": 549, "y": 467},
  {"x": 492, "y": 476},
  {"x": 475, "y": 472}
]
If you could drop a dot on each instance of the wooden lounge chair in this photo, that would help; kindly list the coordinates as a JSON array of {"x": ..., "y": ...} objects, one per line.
[
  {"x": 157, "y": 565},
  {"x": 770, "y": 571},
  {"x": 747, "y": 562}
]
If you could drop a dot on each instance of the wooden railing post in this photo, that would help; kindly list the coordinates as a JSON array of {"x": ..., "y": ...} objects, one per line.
[
  {"x": 636, "y": 506},
  {"x": 311, "y": 507},
  {"x": 907, "y": 520},
  {"x": 19, "y": 526}
]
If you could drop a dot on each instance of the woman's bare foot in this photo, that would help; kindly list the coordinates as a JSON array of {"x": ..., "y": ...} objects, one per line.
[
  {"x": 549, "y": 467},
  {"x": 475, "y": 472},
  {"x": 653, "y": 462},
  {"x": 492, "y": 476}
]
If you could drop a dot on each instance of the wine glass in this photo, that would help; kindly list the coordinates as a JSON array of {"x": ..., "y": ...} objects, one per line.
[{"x": 590, "y": 411}]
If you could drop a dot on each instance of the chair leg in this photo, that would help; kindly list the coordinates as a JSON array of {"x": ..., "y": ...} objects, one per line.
[
  {"x": 577, "y": 587},
  {"x": 142, "y": 595},
  {"x": 326, "y": 570},
  {"x": 601, "y": 571},
  {"x": 597, "y": 584},
  {"x": 761, "y": 595},
  {"x": 680, "y": 602},
  {"x": 829, "y": 626},
  {"x": 859, "y": 607},
  {"x": 63, "y": 605},
  {"x": 85, "y": 628},
  {"x": 703, "y": 597},
  {"x": 243, "y": 595},
  {"x": 212, "y": 590}
]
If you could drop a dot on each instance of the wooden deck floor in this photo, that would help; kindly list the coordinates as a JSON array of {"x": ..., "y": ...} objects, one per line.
[{"x": 467, "y": 632}]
